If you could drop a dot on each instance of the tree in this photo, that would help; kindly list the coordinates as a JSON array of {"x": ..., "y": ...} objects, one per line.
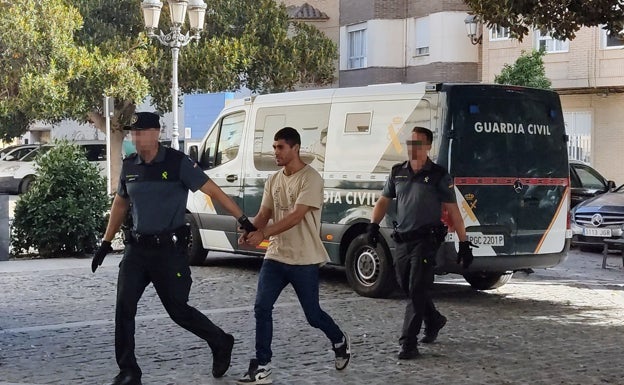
[
  {"x": 61, "y": 67},
  {"x": 528, "y": 71},
  {"x": 561, "y": 18}
]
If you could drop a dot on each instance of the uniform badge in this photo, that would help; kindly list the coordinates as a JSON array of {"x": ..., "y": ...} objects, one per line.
[
  {"x": 426, "y": 179},
  {"x": 164, "y": 175}
]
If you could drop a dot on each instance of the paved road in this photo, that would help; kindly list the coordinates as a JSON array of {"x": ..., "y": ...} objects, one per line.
[{"x": 557, "y": 326}]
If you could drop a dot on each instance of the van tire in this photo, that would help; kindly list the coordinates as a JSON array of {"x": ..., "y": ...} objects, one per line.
[
  {"x": 196, "y": 252},
  {"x": 26, "y": 184},
  {"x": 369, "y": 270},
  {"x": 487, "y": 281}
]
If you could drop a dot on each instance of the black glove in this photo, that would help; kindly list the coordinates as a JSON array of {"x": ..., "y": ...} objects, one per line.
[
  {"x": 99, "y": 255},
  {"x": 464, "y": 255},
  {"x": 372, "y": 234},
  {"x": 246, "y": 224}
]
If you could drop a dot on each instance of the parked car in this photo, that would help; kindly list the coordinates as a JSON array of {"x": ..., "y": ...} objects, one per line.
[
  {"x": 16, "y": 152},
  {"x": 598, "y": 218},
  {"x": 16, "y": 177},
  {"x": 586, "y": 182}
]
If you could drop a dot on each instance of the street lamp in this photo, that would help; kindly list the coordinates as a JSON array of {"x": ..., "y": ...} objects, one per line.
[
  {"x": 473, "y": 25},
  {"x": 175, "y": 39}
]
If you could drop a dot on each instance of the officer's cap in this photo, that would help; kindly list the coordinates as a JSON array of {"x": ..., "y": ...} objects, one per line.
[{"x": 144, "y": 121}]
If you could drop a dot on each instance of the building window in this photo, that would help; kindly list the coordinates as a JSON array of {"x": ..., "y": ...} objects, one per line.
[
  {"x": 422, "y": 37},
  {"x": 550, "y": 44},
  {"x": 499, "y": 33},
  {"x": 357, "y": 46},
  {"x": 614, "y": 41}
]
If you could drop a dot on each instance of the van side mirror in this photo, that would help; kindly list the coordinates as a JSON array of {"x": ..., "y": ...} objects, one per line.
[
  {"x": 193, "y": 153},
  {"x": 611, "y": 185}
]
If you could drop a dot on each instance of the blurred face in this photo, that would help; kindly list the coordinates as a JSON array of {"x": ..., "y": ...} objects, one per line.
[
  {"x": 145, "y": 139},
  {"x": 284, "y": 153},
  {"x": 418, "y": 147}
]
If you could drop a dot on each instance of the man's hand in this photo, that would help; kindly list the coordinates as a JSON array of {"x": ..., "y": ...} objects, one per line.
[
  {"x": 372, "y": 234},
  {"x": 99, "y": 255},
  {"x": 255, "y": 237},
  {"x": 246, "y": 224},
  {"x": 464, "y": 255}
]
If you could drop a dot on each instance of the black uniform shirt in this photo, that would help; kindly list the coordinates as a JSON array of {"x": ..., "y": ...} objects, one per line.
[
  {"x": 158, "y": 191},
  {"x": 419, "y": 195}
]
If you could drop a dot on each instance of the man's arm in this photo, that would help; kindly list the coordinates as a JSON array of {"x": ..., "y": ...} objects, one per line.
[
  {"x": 456, "y": 219},
  {"x": 119, "y": 209},
  {"x": 380, "y": 209}
]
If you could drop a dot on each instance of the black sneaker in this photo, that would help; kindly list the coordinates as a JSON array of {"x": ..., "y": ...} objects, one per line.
[
  {"x": 256, "y": 374},
  {"x": 343, "y": 352},
  {"x": 222, "y": 357},
  {"x": 431, "y": 332},
  {"x": 408, "y": 352}
]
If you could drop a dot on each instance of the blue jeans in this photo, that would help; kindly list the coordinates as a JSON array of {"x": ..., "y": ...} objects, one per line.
[{"x": 274, "y": 276}]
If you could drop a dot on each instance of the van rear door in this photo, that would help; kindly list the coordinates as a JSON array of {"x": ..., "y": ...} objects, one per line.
[{"x": 508, "y": 155}]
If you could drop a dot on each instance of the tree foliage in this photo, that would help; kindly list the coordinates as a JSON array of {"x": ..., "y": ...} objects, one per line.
[
  {"x": 561, "y": 18},
  {"x": 64, "y": 210},
  {"x": 528, "y": 71},
  {"x": 58, "y": 57}
]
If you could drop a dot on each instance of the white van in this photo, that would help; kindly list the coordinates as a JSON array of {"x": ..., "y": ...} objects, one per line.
[
  {"x": 16, "y": 176},
  {"x": 505, "y": 147}
]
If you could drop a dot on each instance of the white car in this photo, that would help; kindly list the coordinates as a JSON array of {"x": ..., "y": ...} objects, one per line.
[
  {"x": 17, "y": 176},
  {"x": 17, "y": 152}
]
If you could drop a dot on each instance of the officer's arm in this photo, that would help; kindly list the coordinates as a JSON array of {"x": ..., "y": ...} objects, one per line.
[
  {"x": 456, "y": 219},
  {"x": 215, "y": 192},
  {"x": 380, "y": 209},
  {"x": 117, "y": 216}
]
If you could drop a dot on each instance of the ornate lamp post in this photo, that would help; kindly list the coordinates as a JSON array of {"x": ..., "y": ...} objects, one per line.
[
  {"x": 175, "y": 39},
  {"x": 473, "y": 27}
]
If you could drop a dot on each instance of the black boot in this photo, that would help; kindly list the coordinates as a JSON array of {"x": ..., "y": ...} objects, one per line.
[
  {"x": 127, "y": 378},
  {"x": 222, "y": 356}
]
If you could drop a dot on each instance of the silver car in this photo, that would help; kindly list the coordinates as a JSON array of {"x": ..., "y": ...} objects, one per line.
[{"x": 598, "y": 218}]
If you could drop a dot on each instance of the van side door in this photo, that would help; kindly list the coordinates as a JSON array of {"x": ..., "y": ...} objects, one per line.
[{"x": 221, "y": 159}]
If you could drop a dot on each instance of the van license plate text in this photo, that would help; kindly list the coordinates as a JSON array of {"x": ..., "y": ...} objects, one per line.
[
  {"x": 588, "y": 232},
  {"x": 487, "y": 239}
]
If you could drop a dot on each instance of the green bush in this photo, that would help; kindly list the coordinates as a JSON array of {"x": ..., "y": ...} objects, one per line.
[{"x": 64, "y": 212}]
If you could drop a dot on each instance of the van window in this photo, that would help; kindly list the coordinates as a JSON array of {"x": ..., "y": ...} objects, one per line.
[
  {"x": 223, "y": 142},
  {"x": 310, "y": 120},
  {"x": 95, "y": 152},
  {"x": 358, "y": 122}
]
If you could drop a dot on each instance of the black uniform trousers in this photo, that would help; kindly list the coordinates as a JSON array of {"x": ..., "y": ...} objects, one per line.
[
  {"x": 167, "y": 268},
  {"x": 414, "y": 265}
]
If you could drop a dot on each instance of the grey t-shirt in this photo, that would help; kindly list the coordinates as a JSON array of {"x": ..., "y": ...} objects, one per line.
[{"x": 419, "y": 195}]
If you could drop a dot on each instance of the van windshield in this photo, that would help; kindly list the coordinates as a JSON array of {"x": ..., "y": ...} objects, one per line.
[{"x": 507, "y": 132}]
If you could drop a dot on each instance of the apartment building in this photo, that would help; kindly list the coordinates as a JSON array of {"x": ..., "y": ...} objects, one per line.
[
  {"x": 588, "y": 73},
  {"x": 385, "y": 41}
]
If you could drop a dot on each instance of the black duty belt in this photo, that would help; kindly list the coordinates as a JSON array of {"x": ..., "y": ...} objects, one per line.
[
  {"x": 435, "y": 232},
  {"x": 167, "y": 238}
]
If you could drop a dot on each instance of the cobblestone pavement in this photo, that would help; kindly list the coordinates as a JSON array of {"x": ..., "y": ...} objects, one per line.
[{"x": 557, "y": 326}]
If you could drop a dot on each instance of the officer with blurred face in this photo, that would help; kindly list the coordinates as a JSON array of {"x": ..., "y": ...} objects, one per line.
[
  {"x": 423, "y": 190},
  {"x": 154, "y": 184}
]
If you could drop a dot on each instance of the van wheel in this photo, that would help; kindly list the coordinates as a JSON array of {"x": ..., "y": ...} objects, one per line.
[
  {"x": 369, "y": 270},
  {"x": 487, "y": 281},
  {"x": 196, "y": 252},
  {"x": 26, "y": 184}
]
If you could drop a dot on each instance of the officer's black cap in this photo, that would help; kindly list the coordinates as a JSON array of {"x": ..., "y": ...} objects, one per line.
[{"x": 144, "y": 121}]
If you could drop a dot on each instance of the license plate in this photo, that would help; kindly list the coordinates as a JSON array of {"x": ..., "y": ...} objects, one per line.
[
  {"x": 487, "y": 239},
  {"x": 589, "y": 232}
]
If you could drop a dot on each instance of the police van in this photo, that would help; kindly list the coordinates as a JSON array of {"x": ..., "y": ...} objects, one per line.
[{"x": 505, "y": 147}]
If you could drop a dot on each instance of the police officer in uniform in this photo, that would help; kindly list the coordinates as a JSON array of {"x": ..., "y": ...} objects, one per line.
[
  {"x": 154, "y": 185},
  {"x": 423, "y": 190}
]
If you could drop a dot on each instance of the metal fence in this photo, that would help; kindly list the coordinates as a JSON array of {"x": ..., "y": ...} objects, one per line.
[{"x": 579, "y": 148}]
